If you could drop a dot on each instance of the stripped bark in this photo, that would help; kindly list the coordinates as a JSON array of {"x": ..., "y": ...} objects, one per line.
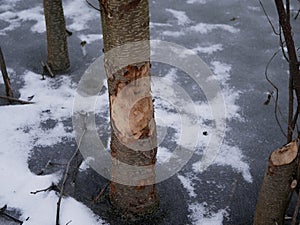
[
  {"x": 131, "y": 107},
  {"x": 277, "y": 185},
  {"x": 8, "y": 90},
  {"x": 57, "y": 48}
]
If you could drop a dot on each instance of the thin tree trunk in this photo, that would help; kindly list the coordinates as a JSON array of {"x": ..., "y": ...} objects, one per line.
[
  {"x": 8, "y": 90},
  {"x": 57, "y": 48},
  {"x": 284, "y": 22},
  {"x": 132, "y": 116},
  {"x": 274, "y": 195}
]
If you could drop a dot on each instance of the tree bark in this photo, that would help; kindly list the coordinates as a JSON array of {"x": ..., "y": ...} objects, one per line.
[
  {"x": 57, "y": 47},
  {"x": 131, "y": 107},
  {"x": 274, "y": 195}
]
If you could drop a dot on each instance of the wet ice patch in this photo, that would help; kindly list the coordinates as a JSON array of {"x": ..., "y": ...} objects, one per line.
[
  {"x": 80, "y": 14},
  {"x": 15, "y": 19},
  {"x": 180, "y": 16}
]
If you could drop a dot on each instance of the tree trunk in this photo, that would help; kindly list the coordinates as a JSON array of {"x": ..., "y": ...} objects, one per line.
[
  {"x": 8, "y": 90},
  {"x": 57, "y": 48},
  {"x": 132, "y": 190},
  {"x": 276, "y": 189},
  {"x": 284, "y": 21}
]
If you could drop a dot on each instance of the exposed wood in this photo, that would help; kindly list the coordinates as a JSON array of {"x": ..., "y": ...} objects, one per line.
[
  {"x": 131, "y": 116},
  {"x": 8, "y": 89},
  {"x": 274, "y": 195}
]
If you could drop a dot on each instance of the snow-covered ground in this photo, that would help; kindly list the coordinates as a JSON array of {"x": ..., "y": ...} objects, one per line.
[{"x": 223, "y": 33}]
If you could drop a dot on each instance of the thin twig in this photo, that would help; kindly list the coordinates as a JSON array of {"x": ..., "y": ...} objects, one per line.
[
  {"x": 269, "y": 20},
  {"x": 47, "y": 67},
  {"x": 276, "y": 91},
  {"x": 2, "y": 212},
  {"x": 53, "y": 187},
  {"x": 100, "y": 193},
  {"x": 16, "y": 100},
  {"x": 297, "y": 15},
  {"x": 65, "y": 179},
  {"x": 90, "y": 4}
]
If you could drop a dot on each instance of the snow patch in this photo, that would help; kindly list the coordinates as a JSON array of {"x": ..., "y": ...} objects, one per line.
[
  {"x": 208, "y": 49},
  {"x": 200, "y": 215},
  {"x": 54, "y": 100},
  {"x": 196, "y": 1},
  {"x": 188, "y": 185},
  {"x": 180, "y": 16},
  {"x": 201, "y": 28},
  {"x": 89, "y": 38}
]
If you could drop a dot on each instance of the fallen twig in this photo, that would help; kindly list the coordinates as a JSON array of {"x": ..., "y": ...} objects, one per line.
[
  {"x": 296, "y": 211},
  {"x": 65, "y": 178},
  {"x": 53, "y": 187},
  {"x": 100, "y": 193},
  {"x": 47, "y": 67},
  {"x": 3, "y": 213},
  {"x": 11, "y": 99}
]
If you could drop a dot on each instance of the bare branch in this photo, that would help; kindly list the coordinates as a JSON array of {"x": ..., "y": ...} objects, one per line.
[
  {"x": 66, "y": 177},
  {"x": 52, "y": 187},
  {"x": 47, "y": 67},
  {"x": 100, "y": 193},
  {"x": 16, "y": 100},
  {"x": 3, "y": 213},
  {"x": 268, "y": 18},
  {"x": 276, "y": 91},
  {"x": 90, "y": 4}
]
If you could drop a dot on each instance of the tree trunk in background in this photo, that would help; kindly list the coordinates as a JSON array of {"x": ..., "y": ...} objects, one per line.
[
  {"x": 125, "y": 22},
  {"x": 277, "y": 185},
  {"x": 57, "y": 48}
]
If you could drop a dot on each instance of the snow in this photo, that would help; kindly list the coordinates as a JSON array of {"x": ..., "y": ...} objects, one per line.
[
  {"x": 197, "y": 215},
  {"x": 196, "y": 1},
  {"x": 20, "y": 134},
  {"x": 201, "y": 28},
  {"x": 209, "y": 49},
  {"x": 180, "y": 16}
]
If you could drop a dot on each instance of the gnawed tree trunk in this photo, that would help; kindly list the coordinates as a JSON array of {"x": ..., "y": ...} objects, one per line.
[
  {"x": 132, "y": 190},
  {"x": 57, "y": 47},
  {"x": 274, "y": 195}
]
